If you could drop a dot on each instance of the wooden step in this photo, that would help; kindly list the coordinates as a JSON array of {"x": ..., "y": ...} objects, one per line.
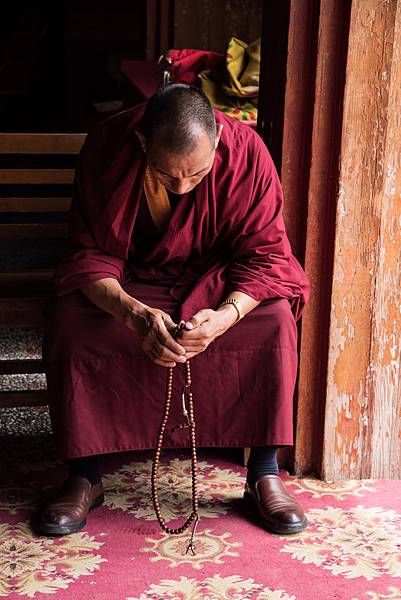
[
  {"x": 25, "y": 284},
  {"x": 22, "y": 366},
  {"x": 26, "y": 277},
  {"x": 31, "y": 205},
  {"x": 24, "y": 398},
  {"x": 41, "y": 143},
  {"x": 36, "y": 176},
  {"x": 32, "y": 231},
  {"x": 23, "y": 312}
]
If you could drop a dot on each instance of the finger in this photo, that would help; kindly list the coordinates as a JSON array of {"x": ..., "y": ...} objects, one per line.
[
  {"x": 197, "y": 319},
  {"x": 155, "y": 349},
  {"x": 196, "y": 335},
  {"x": 193, "y": 348},
  {"x": 165, "y": 337},
  {"x": 168, "y": 321},
  {"x": 158, "y": 360},
  {"x": 164, "y": 363},
  {"x": 164, "y": 353},
  {"x": 159, "y": 327},
  {"x": 159, "y": 338},
  {"x": 191, "y": 354}
]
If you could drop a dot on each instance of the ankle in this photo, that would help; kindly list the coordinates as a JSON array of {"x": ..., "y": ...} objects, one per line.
[
  {"x": 86, "y": 467},
  {"x": 262, "y": 461}
]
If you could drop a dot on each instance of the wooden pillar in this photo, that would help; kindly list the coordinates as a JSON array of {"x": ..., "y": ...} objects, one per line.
[
  {"x": 340, "y": 169},
  {"x": 310, "y": 183},
  {"x": 309, "y": 138},
  {"x": 362, "y": 418},
  {"x": 159, "y": 27},
  {"x": 273, "y": 67}
]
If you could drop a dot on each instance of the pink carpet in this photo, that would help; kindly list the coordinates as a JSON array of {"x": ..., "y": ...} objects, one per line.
[{"x": 350, "y": 551}]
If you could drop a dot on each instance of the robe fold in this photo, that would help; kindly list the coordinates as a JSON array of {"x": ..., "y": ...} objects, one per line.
[{"x": 227, "y": 234}]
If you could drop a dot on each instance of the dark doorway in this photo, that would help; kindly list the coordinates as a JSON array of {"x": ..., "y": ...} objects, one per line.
[{"x": 59, "y": 61}]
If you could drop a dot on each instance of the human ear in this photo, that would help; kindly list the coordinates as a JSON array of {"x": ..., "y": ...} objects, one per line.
[{"x": 218, "y": 134}]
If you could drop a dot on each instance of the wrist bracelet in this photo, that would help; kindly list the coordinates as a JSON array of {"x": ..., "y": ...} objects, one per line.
[{"x": 237, "y": 305}]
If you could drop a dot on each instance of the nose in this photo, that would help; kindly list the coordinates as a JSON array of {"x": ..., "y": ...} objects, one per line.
[{"x": 180, "y": 187}]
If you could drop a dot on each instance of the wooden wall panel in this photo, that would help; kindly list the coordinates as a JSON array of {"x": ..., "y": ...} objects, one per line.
[
  {"x": 298, "y": 123},
  {"x": 362, "y": 420},
  {"x": 316, "y": 61},
  {"x": 159, "y": 27},
  {"x": 209, "y": 24},
  {"x": 273, "y": 76},
  {"x": 342, "y": 184}
]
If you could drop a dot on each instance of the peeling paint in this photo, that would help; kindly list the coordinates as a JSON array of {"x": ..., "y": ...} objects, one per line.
[
  {"x": 363, "y": 407},
  {"x": 389, "y": 188}
]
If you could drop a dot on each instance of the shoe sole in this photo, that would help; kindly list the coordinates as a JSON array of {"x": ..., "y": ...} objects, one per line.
[
  {"x": 273, "y": 527},
  {"x": 66, "y": 529}
]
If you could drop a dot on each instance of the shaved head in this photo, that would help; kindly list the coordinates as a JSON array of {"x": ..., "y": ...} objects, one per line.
[{"x": 177, "y": 117}]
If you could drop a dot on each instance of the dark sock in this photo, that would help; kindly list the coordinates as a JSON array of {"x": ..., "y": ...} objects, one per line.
[
  {"x": 85, "y": 466},
  {"x": 262, "y": 461}
]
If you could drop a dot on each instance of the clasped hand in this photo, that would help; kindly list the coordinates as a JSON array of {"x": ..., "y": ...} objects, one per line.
[{"x": 199, "y": 331}]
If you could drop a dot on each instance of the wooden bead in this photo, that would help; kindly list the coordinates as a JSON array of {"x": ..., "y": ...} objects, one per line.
[{"x": 191, "y": 426}]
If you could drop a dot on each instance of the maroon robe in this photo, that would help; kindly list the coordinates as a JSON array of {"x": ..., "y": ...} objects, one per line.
[{"x": 227, "y": 234}]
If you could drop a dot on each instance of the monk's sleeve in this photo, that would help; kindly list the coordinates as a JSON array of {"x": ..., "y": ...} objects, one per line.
[
  {"x": 261, "y": 261},
  {"x": 83, "y": 260}
]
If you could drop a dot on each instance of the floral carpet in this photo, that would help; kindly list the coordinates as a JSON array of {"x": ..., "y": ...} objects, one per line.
[{"x": 351, "y": 549}]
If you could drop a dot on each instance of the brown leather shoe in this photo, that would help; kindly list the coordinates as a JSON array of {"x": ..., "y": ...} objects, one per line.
[
  {"x": 280, "y": 512},
  {"x": 68, "y": 511}
]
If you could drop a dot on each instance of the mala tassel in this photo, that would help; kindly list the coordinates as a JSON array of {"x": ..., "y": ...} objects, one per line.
[{"x": 191, "y": 539}]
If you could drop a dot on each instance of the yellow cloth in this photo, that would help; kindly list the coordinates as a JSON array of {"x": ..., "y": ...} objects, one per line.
[
  {"x": 157, "y": 198},
  {"x": 235, "y": 89}
]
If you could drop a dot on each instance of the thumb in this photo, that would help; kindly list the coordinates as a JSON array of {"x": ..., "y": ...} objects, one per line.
[
  {"x": 169, "y": 323},
  {"x": 196, "y": 320}
]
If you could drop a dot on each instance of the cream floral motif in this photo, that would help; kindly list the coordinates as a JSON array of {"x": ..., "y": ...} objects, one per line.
[
  {"x": 14, "y": 497},
  {"x": 129, "y": 489},
  {"x": 358, "y": 542},
  {"x": 208, "y": 548},
  {"x": 339, "y": 489},
  {"x": 393, "y": 594},
  {"x": 30, "y": 564},
  {"x": 233, "y": 587}
]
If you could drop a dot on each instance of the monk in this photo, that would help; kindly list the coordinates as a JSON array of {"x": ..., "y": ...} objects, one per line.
[{"x": 176, "y": 218}]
